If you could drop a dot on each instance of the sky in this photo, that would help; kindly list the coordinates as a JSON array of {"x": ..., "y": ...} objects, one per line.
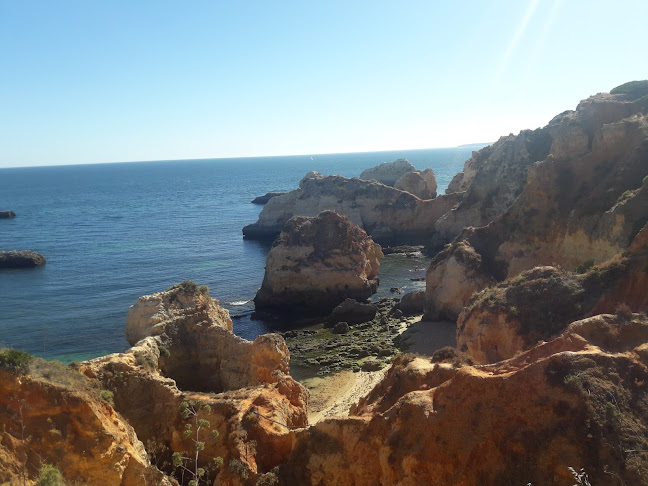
[{"x": 93, "y": 81}]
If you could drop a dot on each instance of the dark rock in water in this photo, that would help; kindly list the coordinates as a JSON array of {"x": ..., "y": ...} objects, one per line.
[
  {"x": 341, "y": 328},
  {"x": 412, "y": 303},
  {"x": 395, "y": 290},
  {"x": 353, "y": 312},
  {"x": 7, "y": 214},
  {"x": 265, "y": 198},
  {"x": 20, "y": 259}
]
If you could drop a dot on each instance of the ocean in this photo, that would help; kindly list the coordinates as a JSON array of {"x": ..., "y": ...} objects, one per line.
[{"x": 114, "y": 232}]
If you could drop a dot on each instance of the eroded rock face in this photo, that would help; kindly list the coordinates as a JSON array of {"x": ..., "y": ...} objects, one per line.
[
  {"x": 388, "y": 215},
  {"x": 67, "y": 424},
  {"x": 20, "y": 259},
  {"x": 388, "y": 172},
  {"x": 540, "y": 303},
  {"x": 521, "y": 421},
  {"x": 556, "y": 194},
  {"x": 453, "y": 277},
  {"x": 319, "y": 262},
  {"x": 184, "y": 304},
  {"x": 420, "y": 183}
]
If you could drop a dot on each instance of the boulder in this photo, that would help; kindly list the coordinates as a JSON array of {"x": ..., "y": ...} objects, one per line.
[
  {"x": 422, "y": 184},
  {"x": 388, "y": 172},
  {"x": 341, "y": 328},
  {"x": 317, "y": 263},
  {"x": 20, "y": 259},
  {"x": 353, "y": 312},
  {"x": 266, "y": 197},
  {"x": 412, "y": 303},
  {"x": 388, "y": 215},
  {"x": 7, "y": 214}
]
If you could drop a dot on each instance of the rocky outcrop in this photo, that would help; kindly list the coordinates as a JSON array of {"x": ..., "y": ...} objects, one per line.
[
  {"x": 388, "y": 172},
  {"x": 540, "y": 303},
  {"x": 52, "y": 414},
  {"x": 266, "y": 197},
  {"x": 20, "y": 259},
  {"x": 317, "y": 263},
  {"x": 190, "y": 356},
  {"x": 186, "y": 303},
  {"x": 352, "y": 312},
  {"x": 7, "y": 214},
  {"x": 422, "y": 184},
  {"x": 565, "y": 193},
  {"x": 388, "y": 215},
  {"x": 454, "y": 275},
  {"x": 565, "y": 403}
]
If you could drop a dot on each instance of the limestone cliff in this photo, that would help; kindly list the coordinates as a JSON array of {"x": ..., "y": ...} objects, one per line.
[
  {"x": 567, "y": 403},
  {"x": 319, "y": 262},
  {"x": 388, "y": 215},
  {"x": 388, "y": 172}
]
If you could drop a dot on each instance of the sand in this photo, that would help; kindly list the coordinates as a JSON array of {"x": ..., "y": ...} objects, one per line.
[{"x": 332, "y": 395}]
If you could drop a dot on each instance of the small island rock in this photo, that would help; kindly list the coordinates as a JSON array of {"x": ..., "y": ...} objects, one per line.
[
  {"x": 20, "y": 259},
  {"x": 7, "y": 214},
  {"x": 388, "y": 172}
]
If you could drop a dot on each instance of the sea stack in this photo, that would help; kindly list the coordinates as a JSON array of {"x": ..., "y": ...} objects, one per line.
[{"x": 316, "y": 263}]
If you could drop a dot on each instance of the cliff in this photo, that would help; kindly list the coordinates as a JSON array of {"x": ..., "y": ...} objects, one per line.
[
  {"x": 319, "y": 262},
  {"x": 388, "y": 215}
]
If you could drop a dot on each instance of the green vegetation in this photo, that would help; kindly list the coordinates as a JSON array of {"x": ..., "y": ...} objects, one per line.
[
  {"x": 190, "y": 411},
  {"x": 164, "y": 351},
  {"x": 108, "y": 396},
  {"x": 15, "y": 360},
  {"x": 190, "y": 287},
  {"x": 645, "y": 180},
  {"x": 585, "y": 266},
  {"x": 634, "y": 89},
  {"x": 49, "y": 475}
]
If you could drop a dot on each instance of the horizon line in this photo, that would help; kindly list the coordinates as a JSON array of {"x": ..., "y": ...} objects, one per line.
[{"x": 241, "y": 157}]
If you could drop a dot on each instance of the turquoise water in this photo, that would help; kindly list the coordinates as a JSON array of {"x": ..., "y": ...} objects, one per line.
[{"x": 114, "y": 232}]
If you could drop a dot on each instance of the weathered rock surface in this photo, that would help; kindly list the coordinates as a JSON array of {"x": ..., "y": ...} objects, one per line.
[
  {"x": 185, "y": 304},
  {"x": 7, "y": 214},
  {"x": 540, "y": 303},
  {"x": 388, "y": 172},
  {"x": 319, "y": 262},
  {"x": 454, "y": 275},
  {"x": 566, "y": 403},
  {"x": 266, "y": 197},
  {"x": 420, "y": 183},
  {"x": 557, "y": 194},
  {"x": 67, "y": 424},
  {"x": 412, "y": 303},
  {"x": 20, "y": 259},
  {"x": 353, "y": 312},
  {"x": 388, "y": 215},
  {"x": 238, "y": 379}
]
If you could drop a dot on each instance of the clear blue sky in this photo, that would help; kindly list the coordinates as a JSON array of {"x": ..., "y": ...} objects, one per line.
[{"x": 99, "y": 81}]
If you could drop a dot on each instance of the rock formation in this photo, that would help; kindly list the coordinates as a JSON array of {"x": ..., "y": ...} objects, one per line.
[
  {"x": 412, "y": 303},
  {"x": 7, "y": 214},
  {"x": 20, "y": 259},
  {"x": 540, "y": 303},
  {"x": 420, "y": 183},
  {"x": 388, "y": 172},
  {"x": 266, "y": 197},
  {"x": 353, "y": 312},
  {"x": 388, "y": 215},
  {"x": 51, "y": 414},
  {"x": 566, "y": 403},
  {"x": 317, "y": 263}
]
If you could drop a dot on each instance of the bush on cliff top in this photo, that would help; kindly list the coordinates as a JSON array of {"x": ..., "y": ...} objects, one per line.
[
  {"x": 633, "y": 89},
  {"x": 14, "y": 359},
  {"x": 190, "y": 287}
]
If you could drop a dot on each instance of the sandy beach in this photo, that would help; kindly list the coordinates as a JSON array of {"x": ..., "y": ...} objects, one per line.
[{"x": 332, "y": 395}]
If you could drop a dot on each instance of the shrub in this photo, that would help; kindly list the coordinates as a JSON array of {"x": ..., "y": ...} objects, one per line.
[
  {"x": 49, "y": 475},
  {"x": 634, "y": 89},
  {"x": 585, "y": 266},
  {"x": 108, "y": 396},
  {"x": 164, "y": 351},
  {"x": 623, "y": 311},
  {"x": 645, "y": 180},
  {"x": 190, "y": 287},
  {"x": 14, "y": 359}
]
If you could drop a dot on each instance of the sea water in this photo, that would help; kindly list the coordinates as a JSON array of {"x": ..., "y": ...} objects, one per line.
[{"x": 114, "y": 232}]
